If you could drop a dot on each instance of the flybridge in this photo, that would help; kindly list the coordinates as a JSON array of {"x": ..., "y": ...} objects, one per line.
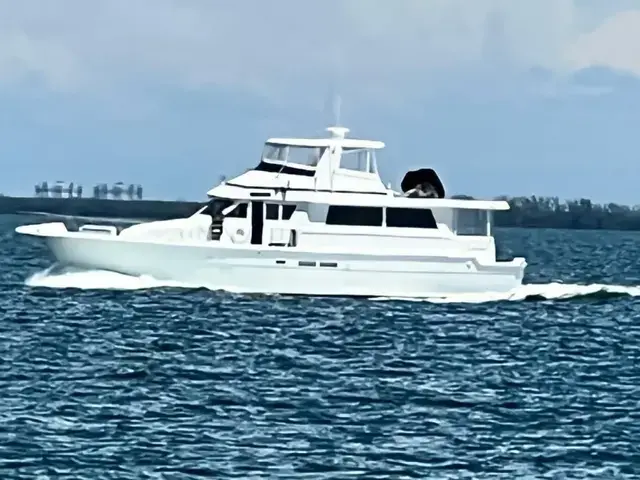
[
  {"x": 330, "y": 164},
  {"x": 331, "y": 171},
  {"x": 314, "y": 157}
]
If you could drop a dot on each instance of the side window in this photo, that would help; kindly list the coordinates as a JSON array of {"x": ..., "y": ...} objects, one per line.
[
  {"x": 272, "y": 211},
  {"x": 410, "y": 218},
  {"x": 287, "y": 211},
  {"x": 239, "y": 212},
  {"x": 356, "y": 159},
  {"x": 347, "y": 215},
  {"x": 472, "y": 222}
]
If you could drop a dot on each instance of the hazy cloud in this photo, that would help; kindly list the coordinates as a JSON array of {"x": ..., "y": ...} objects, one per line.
[
  {"x": 274, "y": 47},
  {"x": 615, "y": 44}
]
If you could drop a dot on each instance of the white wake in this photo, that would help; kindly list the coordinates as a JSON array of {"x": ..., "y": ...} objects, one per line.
[
  {"x": 547, "y": 291},
  {"x": 53, "y": 277}
]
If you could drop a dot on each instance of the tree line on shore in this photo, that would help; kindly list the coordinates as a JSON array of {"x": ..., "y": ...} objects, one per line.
[{"x": 551, "y": 212}]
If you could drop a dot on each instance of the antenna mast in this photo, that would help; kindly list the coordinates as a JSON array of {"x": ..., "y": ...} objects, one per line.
[
  {"x": 337, "y": 105},
  {"x": 336, "y": 130}
]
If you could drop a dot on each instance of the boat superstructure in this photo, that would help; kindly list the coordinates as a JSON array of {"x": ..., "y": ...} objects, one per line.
[{"x": 313, "y": 217}]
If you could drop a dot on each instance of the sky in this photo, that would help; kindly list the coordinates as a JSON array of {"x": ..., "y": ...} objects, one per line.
[{"x": 500, "y": 97}]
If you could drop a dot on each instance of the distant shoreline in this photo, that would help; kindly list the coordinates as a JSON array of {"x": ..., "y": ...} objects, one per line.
[
  {"x": 95, "y": 207},
  {"x": 581, "y": 214},
  {"x": 526, "y": 212}
]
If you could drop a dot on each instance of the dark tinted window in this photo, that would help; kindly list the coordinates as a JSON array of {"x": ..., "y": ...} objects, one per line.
[
  {"x": 410, "y": 218},
  {"x": 287, "y": 211},
  {"x": 215, "y": 206},
  {"x": 272, "y": 211},
  {"x": 239, "y": 212},
  {"x": 347, "y": 215}
]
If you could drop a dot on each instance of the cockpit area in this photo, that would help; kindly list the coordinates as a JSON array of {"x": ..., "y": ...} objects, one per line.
[
  {"x": 256, "y": 222},
  {"x": 219, "y": 209}
]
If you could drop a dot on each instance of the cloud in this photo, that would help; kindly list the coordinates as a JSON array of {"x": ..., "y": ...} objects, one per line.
[
  {"x": 612, "y": 44},
  {"x": 288, "y": 46}
]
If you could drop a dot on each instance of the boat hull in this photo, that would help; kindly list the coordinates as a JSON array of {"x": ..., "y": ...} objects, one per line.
[{"x": 286, "y": 270}]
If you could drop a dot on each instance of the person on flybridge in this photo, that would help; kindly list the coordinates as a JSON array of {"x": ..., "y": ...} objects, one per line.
[
  {"x": 423, "y": 190},
  {"x": 423, "y": 183}
]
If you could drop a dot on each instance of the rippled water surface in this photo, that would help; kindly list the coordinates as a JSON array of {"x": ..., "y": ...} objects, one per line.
[{"x": 103, "y": 377}]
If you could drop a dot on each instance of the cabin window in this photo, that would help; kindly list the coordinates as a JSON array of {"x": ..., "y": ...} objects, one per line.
[
  {"x": 354, "y": 216},
  {"x": 287, "y": 211},
  {"x": 472, "y": 222},
  {"x": 276, "y": 211},
  {"x": 239, "y": 212},
  {"x": 272, "y": 211},
  {"x": 410, "y": 218},
  {"x": 358, "y": 159}
]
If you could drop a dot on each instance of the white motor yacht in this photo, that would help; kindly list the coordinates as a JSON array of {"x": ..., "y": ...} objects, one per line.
[{"x": 312, "y": 218}]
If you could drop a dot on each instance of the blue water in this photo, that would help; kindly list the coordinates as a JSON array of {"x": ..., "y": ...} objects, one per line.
[{"x": 104, "y": 376}]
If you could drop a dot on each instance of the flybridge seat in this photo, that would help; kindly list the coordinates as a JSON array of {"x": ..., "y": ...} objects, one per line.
[{"x": 423, "y": 183}]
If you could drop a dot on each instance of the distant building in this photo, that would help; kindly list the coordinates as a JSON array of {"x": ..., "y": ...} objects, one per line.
[
  {"x": 118, "y": 191},
  {"x": 61, "y": 189}
]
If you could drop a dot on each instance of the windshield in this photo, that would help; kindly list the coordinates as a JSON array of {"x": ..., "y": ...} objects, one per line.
[
  {"x": 216, "y": 206},
  {"x": 292, "y": 154}
]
